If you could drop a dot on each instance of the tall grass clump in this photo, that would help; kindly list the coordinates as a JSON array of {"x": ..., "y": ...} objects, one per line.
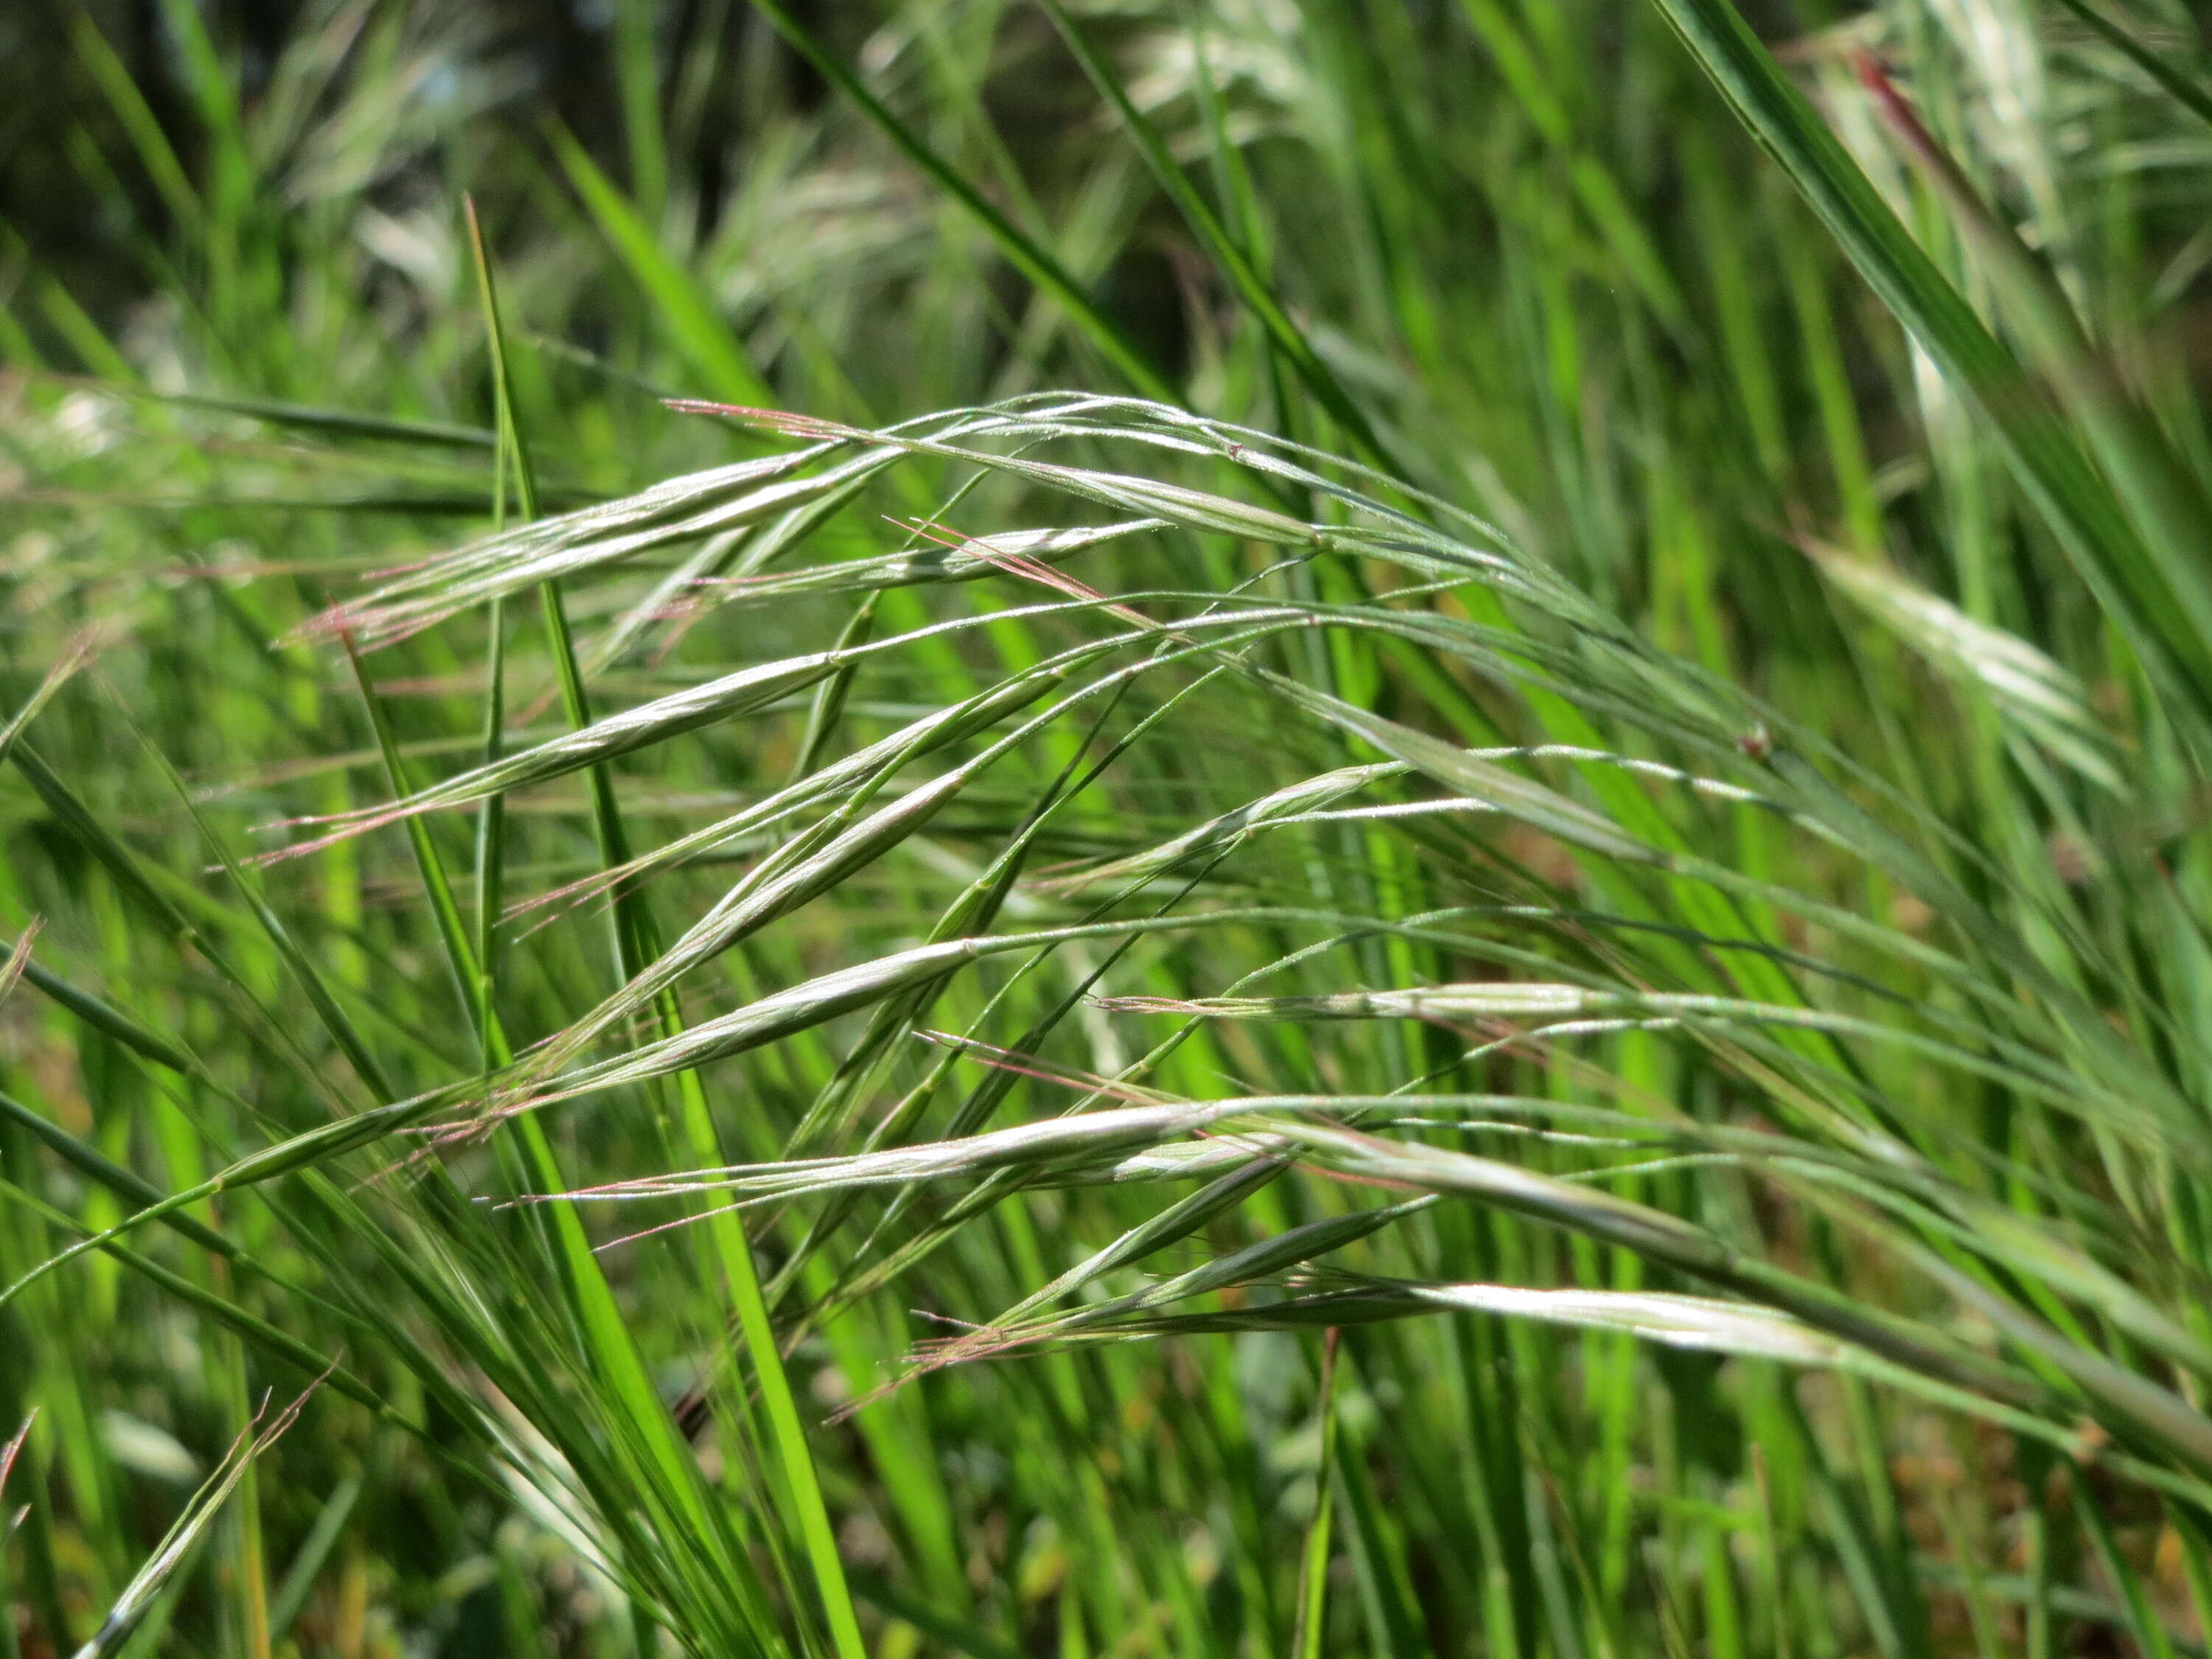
[{"x": 1504, "y": 947}]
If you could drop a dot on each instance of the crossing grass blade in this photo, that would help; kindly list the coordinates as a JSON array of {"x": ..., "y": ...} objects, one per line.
[
  {"x": 182, "y": 1538},
  {"x": 2148, "y": 592}
]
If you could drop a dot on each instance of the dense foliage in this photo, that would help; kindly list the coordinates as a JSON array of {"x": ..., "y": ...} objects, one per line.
[{"x": 1505, "y": 946}]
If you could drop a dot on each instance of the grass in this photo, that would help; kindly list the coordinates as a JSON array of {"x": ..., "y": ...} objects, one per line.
[{"x": 1096, "y": 830}]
